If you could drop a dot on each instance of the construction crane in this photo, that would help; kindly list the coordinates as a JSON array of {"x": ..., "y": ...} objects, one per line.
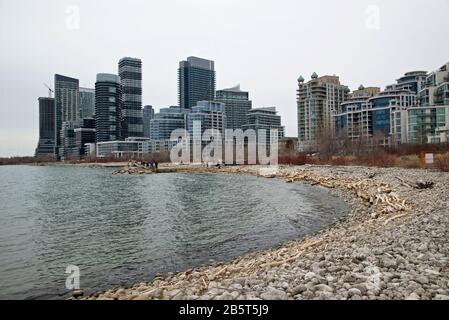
[{"x": 50, "y": 90}]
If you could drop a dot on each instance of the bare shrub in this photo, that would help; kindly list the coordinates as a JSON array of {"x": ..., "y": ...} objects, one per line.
[
  {"x": 409, "y": 162},
  {"x": 442, "y": 162},
  {"x": 341, "y": 161},
  {"x": 298, "y": 159},
  {"x": 378, "y": 159}
]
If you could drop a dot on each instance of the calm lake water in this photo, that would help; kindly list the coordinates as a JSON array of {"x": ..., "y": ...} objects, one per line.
[{"x": 121, "y": 230}]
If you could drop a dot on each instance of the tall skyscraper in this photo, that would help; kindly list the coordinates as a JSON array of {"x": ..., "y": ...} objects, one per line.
[
  {"x": 66, "y": 111},
  {"x": 87, "y": 103},
  {"x": 108, "y": 107},
  {"x": 237, "y": 105},
  {"x": 196, "y": 82},
  {"x": 148, "y": 115},
  {"x": 130, "y": 72},
  {"x": 318, "y": 101},
  {"x": 46, "y": 144}
]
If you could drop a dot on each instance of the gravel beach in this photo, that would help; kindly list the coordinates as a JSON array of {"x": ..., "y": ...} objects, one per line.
[{"x": 392, "y": 245}]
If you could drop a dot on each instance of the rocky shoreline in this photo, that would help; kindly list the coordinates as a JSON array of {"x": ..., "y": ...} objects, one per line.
[{"x": 392, "y": 245}]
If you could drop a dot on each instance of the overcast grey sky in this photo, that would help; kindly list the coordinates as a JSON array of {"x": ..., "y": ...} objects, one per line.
[{"x": 262, "y": 44}]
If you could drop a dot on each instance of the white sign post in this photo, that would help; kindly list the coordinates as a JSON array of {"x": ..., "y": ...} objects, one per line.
[{"x": 429, "y": 158}]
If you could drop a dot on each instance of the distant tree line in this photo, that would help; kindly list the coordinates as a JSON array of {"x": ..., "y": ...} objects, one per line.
[{"x": 24, "y": 160}]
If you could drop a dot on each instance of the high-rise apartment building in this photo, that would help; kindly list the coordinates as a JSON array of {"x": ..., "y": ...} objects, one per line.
[
  {"x": 46, "y": 144},
  {"x": 413, "y": 81},
  {"x": 67, "y": 113},
  {"x": 130, "y": 72},
  {"x": 68, "y": 148},
  {"x": 428, "y": 120},
  {"x": 237, "y": 105},
  {"x": 372, "y": 117},
  {"x": 85, "y": 134},
  {"x": 264, "y": 119},
  {"x": 318, "y": 102},
  {"x": 353, "y": 120},
  {"x": 167, "y": 121},
  {"x": 108, "y": 107},
  {"x": 87, "y": 103},
  {"x": 196, "y": 81},
  {"x": 148, "y": 115},
  {"x": 382, "y": 110},
  {"x": 210, "y": 114},
  {"x": 207, "y": 117},
  {"x": 369, "y": 115}
]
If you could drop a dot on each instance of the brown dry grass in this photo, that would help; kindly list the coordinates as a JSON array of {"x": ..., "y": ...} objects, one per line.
[
  {"x": 409, "y": 162},
  {"x": 442, "y": 162},
  {"x": 378, "y": 158}
]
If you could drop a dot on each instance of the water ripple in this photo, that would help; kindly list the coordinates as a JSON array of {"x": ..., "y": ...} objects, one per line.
[{"x": 120, "y": 230}]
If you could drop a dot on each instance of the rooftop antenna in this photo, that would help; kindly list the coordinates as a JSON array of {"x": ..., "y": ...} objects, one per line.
[{"x": 50, "y": 90}]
